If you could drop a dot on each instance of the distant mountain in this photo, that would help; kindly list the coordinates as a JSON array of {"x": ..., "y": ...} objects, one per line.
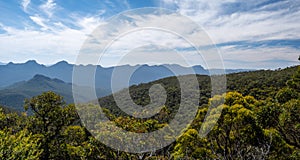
[
  {"x": 12, "y": 73},
  {"x": 14, "y": 95}
]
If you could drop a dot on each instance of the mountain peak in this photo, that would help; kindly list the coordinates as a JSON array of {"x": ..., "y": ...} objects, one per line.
[
  {"x": 61, "y": 63},
  {"x": 31, "y": 62},
  {"x": 40, "y": 77},
  {"x": 10, "y": 63}
]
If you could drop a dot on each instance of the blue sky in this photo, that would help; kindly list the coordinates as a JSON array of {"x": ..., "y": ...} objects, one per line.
[{"x": 249, "y": 34}]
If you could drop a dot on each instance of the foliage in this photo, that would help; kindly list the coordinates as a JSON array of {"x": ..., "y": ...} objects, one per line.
[
  {"x": 259, "y": 119},
  {"x": 50, "y": 116},
  {"x": 22, "y": 145}
]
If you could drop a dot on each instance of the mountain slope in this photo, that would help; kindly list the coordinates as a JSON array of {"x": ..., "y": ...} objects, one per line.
[
  {"x": 14, "y": 95},
  {"x": 259, "y": 84}
]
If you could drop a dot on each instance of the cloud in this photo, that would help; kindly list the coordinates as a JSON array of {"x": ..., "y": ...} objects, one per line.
[
  {"x": 254, "y": 20},
  {"x": 132, "y": 32},
  {"x": 53, "y": 42},
  {"x": 260, "y": 32},
  {"x": 126, "y": 4},
  {"x": 247, "y": 32},
  {"x": 260, "y": 57},
  {"x": 25, "y": 4},
  {"x": 89, "y": 23},
  {"x": 48, "y": 7},
  {"x": 39, "y": 21},
  {"x": 45, "y": 37}
]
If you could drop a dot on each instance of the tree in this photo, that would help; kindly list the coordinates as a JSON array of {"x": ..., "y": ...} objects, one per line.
[
  {"x": 190, "y": 146},
  {"x": 236, "y": 134},
  {"x": 286, "y": 94},
  {"x": 50, "y": 116},
  {"x": 12, "y": 121},
  {"x": 289, "y": 119},
  {"x": 79, "y": 145},
  {"x": 294, "y": 82},
  {"x": 267, "y": 113},
  {"x": 289, "y": 122},
  {"x": 22, "y": 145}
]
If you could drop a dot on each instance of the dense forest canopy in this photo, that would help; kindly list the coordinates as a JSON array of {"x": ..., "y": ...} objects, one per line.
[{"x": 260, "y": 119}]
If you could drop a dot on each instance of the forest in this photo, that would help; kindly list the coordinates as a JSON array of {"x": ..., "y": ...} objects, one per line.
[{"x": 260, "y": 119}]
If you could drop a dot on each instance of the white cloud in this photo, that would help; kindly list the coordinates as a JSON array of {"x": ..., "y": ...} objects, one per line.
[
  {"x": 261, "y": 57},
  {"x": 239, "y": 20},
  {"x": 132, "y": 31},
  {"x": 61, "y": 37},
  {"x": 25, "y": 4},
  {"x": 39, "y": 21},
  {"x": 89, "y": 23},
  {"x": 48, "y": 7},
  {"x": 272, "y": 21},
  {"x": 54, "y": 42}
]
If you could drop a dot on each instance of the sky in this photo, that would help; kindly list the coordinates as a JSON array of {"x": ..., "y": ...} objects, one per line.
[{"x": 250, "y": 34}]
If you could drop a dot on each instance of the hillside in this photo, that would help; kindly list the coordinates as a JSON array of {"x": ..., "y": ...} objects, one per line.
[
  {"x": 259, "y": 84},
  {"x": 267, "y": 81},
  {"x": 265, "y": 127},
  {"x": 14, "y": 95}
]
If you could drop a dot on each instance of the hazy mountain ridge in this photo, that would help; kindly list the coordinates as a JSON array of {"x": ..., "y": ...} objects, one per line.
[
  {"x": 24, "y": 80},
  {"x": 12, "y": 73},
  {"x": 14, "y": 95}
]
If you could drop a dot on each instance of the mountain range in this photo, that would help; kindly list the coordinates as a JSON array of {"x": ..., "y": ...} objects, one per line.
[
  {"x": 25, "y": 80},
  {"x": 14, "y": 95},
  {"x": 13, "y": 72}
]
